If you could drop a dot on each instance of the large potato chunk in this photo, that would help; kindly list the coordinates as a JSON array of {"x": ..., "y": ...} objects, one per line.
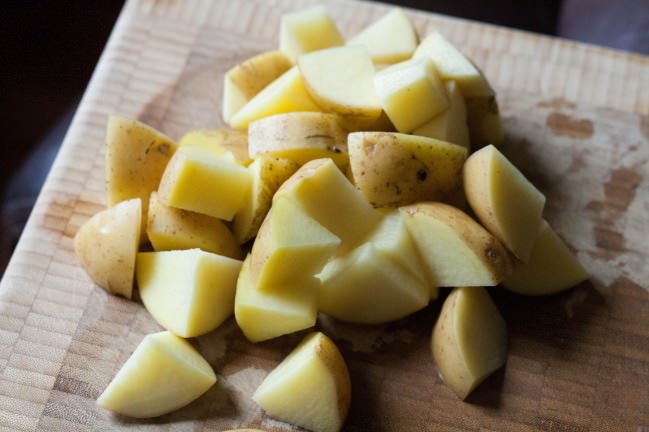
[
  {"x": 310, "y": 388},
  {"x": 393, "y": 169},
  {"x": 469, "y": 340},
  {"x": 391, "y": 39},
  {"x": 262, "y": 316},
  {"x": 340, "y": 80},
  {"x": 411, "y": 93},
  {"x": 550, "y": 269},
  {"x": 504, "y": 201},
  {"x": 308, "y": 30},
  {"x": 107, "y": 244},
  {"x": 286, "y": 94},
  {"x": 164, "y": 373},
  {"x": 300, "y": 136},
  {"x": 455, "y": 249},
  {"x": 228, "y": 143},
  {"x": 451, "y": 64},
  {"x": 188, "y": 292},
  {"x": 197, "y": 180},
  {"x": 171, "y": 228},
  {"x": 245, "y": 80}
]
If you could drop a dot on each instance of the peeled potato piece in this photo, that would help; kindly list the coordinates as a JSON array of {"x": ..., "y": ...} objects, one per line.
[
  {"x": 469, "y": 341},
  {"x": 229, "y": 143},
  {"x": 310, "y": 388},
  {"x": 308, "y": 30}
]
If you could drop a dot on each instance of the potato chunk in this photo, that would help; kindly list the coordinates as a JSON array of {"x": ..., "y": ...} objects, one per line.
[
  {"x": 188, "y": 292},
  {"x": 225, "y": 142},
  {"x": 504, "y": 201},
  {"x": 308, "y": 30},
  {"x": 483, "y": 119},
  {"x": 164, "y": 373},
  {"x": 469, "y": 341},
  {"x": 310, "y": 388}
]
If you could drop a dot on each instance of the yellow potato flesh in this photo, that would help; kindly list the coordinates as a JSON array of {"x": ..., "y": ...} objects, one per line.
[
  {"x": 245, "y": 80},
  {"x": 391, "y": 39},
  {"x": 308, "y": 30},
  {"x": 228, "y": 143},
  {"x": 164, "y": 373},
  {"x": 411, "y": 93},
  {"x": 199, "y": 181},
  {"x": 310, "y": 388},
  {"x": 107, "y": 244},
  {"x": 451, "y": 125},
  {"x": 469, "y": 341},
  {"x": 263, "y": 316},
  {"x": 286, "y": 94},
  {"x": 340, "y": 81},
  {"x": 291, "y": 246},
  {"x": 455, "y": 249},
  {"x": 451, "y": 64},
  {"x": 171, "y": 228},
  {"x": 268, "y": 173},
  {"x": 187, "y": 292},
  {"x": 504, "y": 201},
  {"x": 551, "y": 268}
]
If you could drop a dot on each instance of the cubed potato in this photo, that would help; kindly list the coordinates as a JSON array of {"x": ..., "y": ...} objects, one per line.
[
  {"x": 107, "y": 244},
  {"x": 340, "y": 81},
  {"x": 451, "y": 64},
  {"x": 552, "y": 267},
  {"x": 229, "y": 143},
  {"x": 308, "y": 30},
  {"x": 262, "y": 315},
  {"x": 291, "y": 246},
  {"x": 286, "y": 94},
  {"x": 300, "y": 136},
  {"x": 310, "y": 388},
  {"x": 197, "y": 180},
  {"x": 164, "y": 373},
  {"x": 268, "y": 173},
  {"x": 451, "y": 125},
  {"x": 189, "y": 292},
  {"x": 393, "y": 169},
  {"x": 484, "y": 122},
  {"x": 245, "y": 80},
  {"x": 411, "y": 93},
  {"x": 469, "y": 341},
  {"x": 328, "y": 197},
  {"x": 504, "y": 201},
  {"x": 455, "y": 249},
  {"x": 391, "y": 39},
  {"x": 170, "y": 228}
]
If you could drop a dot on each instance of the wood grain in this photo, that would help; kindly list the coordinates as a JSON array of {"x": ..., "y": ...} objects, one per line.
[{"x": 577, "y": 122}]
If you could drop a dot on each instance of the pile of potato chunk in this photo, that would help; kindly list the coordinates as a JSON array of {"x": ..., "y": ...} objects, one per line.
[{"x": 341, "y": 187}]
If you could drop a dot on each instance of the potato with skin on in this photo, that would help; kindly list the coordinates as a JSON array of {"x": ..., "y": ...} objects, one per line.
[
  {"x": 451, "y": 125},
  {"x": 328, "y": 197},
  {"x": 263, "y": 315},
  {"x": 197, "y": 180},
  {"x": 411, "y": 93},
  {"x": 340, "y": 80},
  {"x": 455, "y": 249},
  {"x": 189, "y": 292},
  {"x": 310, "y": 388},
  {"x": 451, "y": 64},
  {"x": 391, "y": 39},
  {"x": 504, "y": 201},
  {"x": 170, "y": 228},
  {"x": 393, "y": 169},
  {"x": 469, "y": 340},
  {"x": 226, "y": 142},
  {"x": 163, "y": 374},
  {"x": 300, "y": 136},
  {"x": 268, "y": 174},
  {"x": 287, "y": 93},
  {"x": 106, "y": 246},
  {"x": 290, "y": 247},
  {"x": 308, "y": 30},
  {"x": 245, "y": 80},
  {"x": 484, "y": 122},
  {"x": 552, "y": 267}
]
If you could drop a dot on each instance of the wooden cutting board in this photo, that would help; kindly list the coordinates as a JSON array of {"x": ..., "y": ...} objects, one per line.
[{"x": 577, "y": 122}]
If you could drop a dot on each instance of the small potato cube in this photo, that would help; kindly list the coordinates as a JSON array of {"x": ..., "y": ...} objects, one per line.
[
  {"x": 308, "y": 30},
  {"x": 228, "y": 143}
]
